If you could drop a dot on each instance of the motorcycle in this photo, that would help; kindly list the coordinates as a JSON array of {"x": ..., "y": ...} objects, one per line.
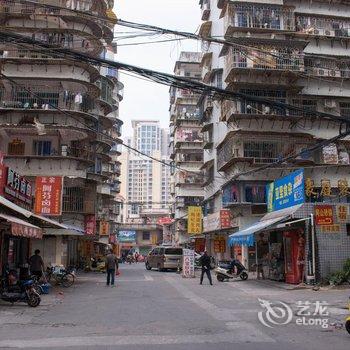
[
  {"x": 224, "y": 272},
  {"x": 21, "y": 291},
  {"x": 347, "y": 320}
]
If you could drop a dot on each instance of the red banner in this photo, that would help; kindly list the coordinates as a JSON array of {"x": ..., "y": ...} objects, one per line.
[
  {"x": 324, "y": 215},
  {"x": 199, "y": 245},
  {"x": 48, "y": 195},
  {"x": 90, "y": 225},
  {"x": 165, "y": 221},
  {"x": 20, "y": 230},
  {"x": 225, "y": 218}
]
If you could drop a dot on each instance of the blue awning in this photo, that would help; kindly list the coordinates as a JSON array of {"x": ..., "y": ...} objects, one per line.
[{"x": 246, "y": 236}]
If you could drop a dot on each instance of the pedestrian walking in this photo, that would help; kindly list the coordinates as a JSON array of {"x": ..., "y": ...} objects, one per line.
[
  {"x": 111, "y": 267},
  {"x": 36, "y": 264},
  {"x": 205, "y": 263}
]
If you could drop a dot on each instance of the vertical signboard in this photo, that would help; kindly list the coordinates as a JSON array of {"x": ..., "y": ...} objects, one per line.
[
  {"x": 104, "y": 228},
  {"x": 194, "y": 220},
  {"x": 188, "y": 263},
  {"x": 342, "y": 212},
  {"x": 90, "y": 225},
  {"x": 48, "y": 195}
]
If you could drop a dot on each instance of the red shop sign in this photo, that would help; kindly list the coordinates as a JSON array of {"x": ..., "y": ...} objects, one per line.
[
  {"x": 90, "y": 225},
  {"x": 324, "y": 215}
]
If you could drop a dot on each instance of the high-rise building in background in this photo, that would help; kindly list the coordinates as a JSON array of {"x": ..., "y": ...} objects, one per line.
[
  {"x": 145, "y": 182},
  {"x": 292, "y": 52},
  {"x": 186, "y": 146},
  {"x": 59, "y": 118}
]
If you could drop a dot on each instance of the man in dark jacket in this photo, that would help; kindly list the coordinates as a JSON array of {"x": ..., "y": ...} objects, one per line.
[
  {"x": 111, "y": 267},
  {"x": 36, "y": 264},
  {"x": 205, "y": 263}
]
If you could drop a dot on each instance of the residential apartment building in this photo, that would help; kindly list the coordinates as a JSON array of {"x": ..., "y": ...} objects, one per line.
[
  {"x": 186, "y": 145},
  {"x": 60, "y": 117},
  {"x": 145, "y": 182},
  {"x": 294, "y": 52}
]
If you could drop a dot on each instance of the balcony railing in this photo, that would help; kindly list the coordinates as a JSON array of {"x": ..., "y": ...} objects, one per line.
[
  {"x": 327, "y": 68},
  {"x": 269, "y": 58},
  {"x": 257, "y": 151},
  {"x": 69, "y": 152},
  {"x": 323, "y": 26},
  {"x": 205, "y": 7},
  {"x": 259, "y": 16},
  {"x": 185, "y": 178},
  {"x": 188, "y": 135},
  {"x": 40, "y": 98}
]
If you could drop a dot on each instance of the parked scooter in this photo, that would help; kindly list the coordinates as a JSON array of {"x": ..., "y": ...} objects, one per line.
[
  {"x": 224, "y": 273},
  {"x": 14, "y": 291}
]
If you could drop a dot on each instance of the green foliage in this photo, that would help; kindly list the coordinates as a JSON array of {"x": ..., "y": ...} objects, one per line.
[
  {"x": 346, "y": 267},
  {"x": 337, "y": 278}
]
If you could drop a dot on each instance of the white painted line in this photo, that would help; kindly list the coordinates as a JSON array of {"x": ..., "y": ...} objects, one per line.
[
  {"x": 226, "y": 314},
  {"x": 93, "y": 341},
  {"x": 149, "y": 278}
]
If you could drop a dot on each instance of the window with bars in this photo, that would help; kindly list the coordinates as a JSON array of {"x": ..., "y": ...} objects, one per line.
[
  {"x": 262, "y": 151},
  {"x": 16, "y": 147},
  {"x": 73, "y": 199}
]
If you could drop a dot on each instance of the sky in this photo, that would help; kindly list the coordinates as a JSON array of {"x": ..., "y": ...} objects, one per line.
[{"x": 142, "y": 99}]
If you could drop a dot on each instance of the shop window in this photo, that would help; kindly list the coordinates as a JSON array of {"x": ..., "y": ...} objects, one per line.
[
  {"x": 42, "y": 148},
  {"x": 255, "y": 193},
  {"x": 16, "y": 147},
  {"x": 146, "y": 236}
]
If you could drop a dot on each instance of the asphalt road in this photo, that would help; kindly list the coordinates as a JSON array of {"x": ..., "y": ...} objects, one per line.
[{"x": 159, "y": 310}]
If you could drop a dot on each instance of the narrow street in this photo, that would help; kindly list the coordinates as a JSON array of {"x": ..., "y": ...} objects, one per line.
[{"x": 153, "y": 310}]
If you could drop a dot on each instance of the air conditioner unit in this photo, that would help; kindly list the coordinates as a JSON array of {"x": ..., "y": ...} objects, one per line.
[
  {"x": 334, "y": 73},
  {"x": 329, "y": 32},
  {"x": 321, "y": 72},
  {"x": 318, "y": 32},
  {"x": 330, "y": 104}
]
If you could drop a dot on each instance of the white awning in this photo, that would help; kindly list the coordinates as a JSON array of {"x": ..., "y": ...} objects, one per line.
[
  {"x": 246, "y": 236},
  {"x": 22, "y": 228},
  {"x": 61, "y": 232}
]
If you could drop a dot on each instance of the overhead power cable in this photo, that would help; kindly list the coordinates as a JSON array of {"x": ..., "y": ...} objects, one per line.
[
  {"x": 165, "y": 78},
  {"x": 180, "y": 82}
]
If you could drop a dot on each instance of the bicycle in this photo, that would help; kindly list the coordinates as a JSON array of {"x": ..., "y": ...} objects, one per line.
[{"x": 61, "y": 276}]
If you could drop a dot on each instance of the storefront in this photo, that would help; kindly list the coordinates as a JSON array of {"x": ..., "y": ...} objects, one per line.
[
  {"x": 279, "y": 238},
  {"x": 15, "y": 242}
]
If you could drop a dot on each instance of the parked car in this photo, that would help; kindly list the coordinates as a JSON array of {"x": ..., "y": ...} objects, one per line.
[{"x": 164, "y": 258}]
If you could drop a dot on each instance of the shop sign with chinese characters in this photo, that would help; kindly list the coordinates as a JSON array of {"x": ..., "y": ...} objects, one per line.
[
  {"x": 324, "y": 215},
  {"x": 20, "y": 230},
  {"x": 342, "y": 213},
  {"x": 286, "y": 192},
  {"x": 194, "y": 220},
  {"x": 90, "y": 225},
  {"x": 220, "y": 245},
  {"x": 330, "y": 228},
  {"x": 324, "y": 188},
  {"x": 188, "y": 263},
  {"x": 104, "y": 228},
  {"x": 48, "y": 195},
  {"x": 15, "y": 187}
]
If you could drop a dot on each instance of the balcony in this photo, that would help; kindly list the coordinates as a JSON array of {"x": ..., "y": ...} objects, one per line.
[
  {"x": 196, "y": 158},
  {"x": 187, "y": 115},
  {"x": 205, "y": 7},
  {"x": 206, "y": 66},
  {"x": 241, "y": 193},
  {"x": 186, "y": 96},
  {"x": 208, "y": 141},
  {"x": 275, "y": 60},
  {"x": 259, "y": 151},
  {"x": 188, "y": 138},
  {"x": 259, "y": 18},
  {"x": 36, "y": 98},
  {"x": 319, "y": 67},
  {"x": 185, "y": 201},
  {"x": 186, "y": 178},
  {"x": 331, "y": 27},
  {"x": 233, "y": 110}
]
